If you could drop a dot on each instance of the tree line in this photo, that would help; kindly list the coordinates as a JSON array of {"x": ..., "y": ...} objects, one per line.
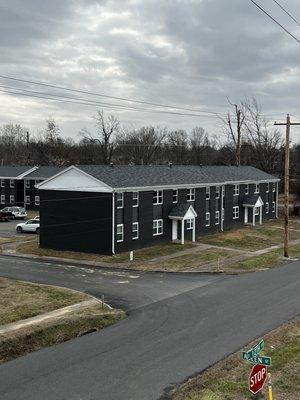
[{"x": 246, "y": 137}]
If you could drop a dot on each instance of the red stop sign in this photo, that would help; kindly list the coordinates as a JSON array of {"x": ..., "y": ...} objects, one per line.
[{"x": 257, "y": 378}]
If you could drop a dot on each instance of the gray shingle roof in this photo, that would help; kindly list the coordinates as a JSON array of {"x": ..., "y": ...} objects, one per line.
[
  {"x": 11, "y": 171},
  {"x": 250, "y": 200},
  {"x": 179, "y": 210},
  {"x": 44, "y": 172},
  {"x": 121, "y": 176}
]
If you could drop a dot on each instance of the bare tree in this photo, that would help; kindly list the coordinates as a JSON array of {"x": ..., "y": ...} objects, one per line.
[
  {"x": 266, "y": 143},
  {"x": 141, "y": 146},
  {"x": 234, "y": 125},
  {"x": 177, "y": 146},
  {"x": 107, "y": 128}
]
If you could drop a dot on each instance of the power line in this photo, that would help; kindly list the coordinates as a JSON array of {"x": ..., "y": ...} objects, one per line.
[
  {"x": 104, "y": 105},
  {"x": 274, "y": 20},
  {"x": 106, "y": 96},
  {"x": 287, "y": 12}
]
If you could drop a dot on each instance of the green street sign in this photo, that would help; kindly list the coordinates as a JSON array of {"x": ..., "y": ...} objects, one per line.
[
  {"x": 260, "y": 360},
  {"x": 247, "y": 355}
]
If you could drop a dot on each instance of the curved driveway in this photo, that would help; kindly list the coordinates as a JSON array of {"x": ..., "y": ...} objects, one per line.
[{"x": 178, "y": 325}]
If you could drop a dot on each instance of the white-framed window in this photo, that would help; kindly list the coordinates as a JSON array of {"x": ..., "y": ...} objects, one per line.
[
  {"x": 256, "y": 210},
  {"x": 267, "y": 208},
  {"x": 2, "y": 183},
  {"x": 273, "y": 207},
  {"x": 175, "y": 196},
  {"x": 217, "y": 192},
  {"x": 207, "y": 193},
  {"x": 217, "y": 217},
  {"x": 256, "y": 190},
  {"x": 236, "y": 190},
  {"x": 274, "y": 187},
  {"x": 27, "y": 183},
  {"x": 135, "y": 230},
  {"x": 11, "y": 183},
  {"x": 268, "y": 187},
  {"x": 27, "y": 199},
  {"x": 190, "y": 223},
  {"x": 12, "y": 199},
  {"x": 191, "y": 194},
  {"x": 247, "y": 189},
  {"x": 207, "y": 219},
  {"x": 158, "y": 197},
  {"x": 120, "y": 233},
  {"x": 157, "y": 227},
  {"x": 37, "y": 200},
  {"x": 120, "y": 200},
  {"x": 236, "y": 212},
  {"x": 2, "y": 198},
  {"x": 135, "y": 199}
]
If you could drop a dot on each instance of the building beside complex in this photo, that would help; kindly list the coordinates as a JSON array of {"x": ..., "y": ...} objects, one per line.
[{"x": 110, "y": 209}]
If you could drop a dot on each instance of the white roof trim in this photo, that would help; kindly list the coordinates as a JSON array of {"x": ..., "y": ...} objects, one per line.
[
  {"x": 21, "y": 176},
  {"x": 258, "y": 203},
  {"x": 99, "y": 185}
]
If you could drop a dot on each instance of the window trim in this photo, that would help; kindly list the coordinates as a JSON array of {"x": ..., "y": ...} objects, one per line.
[
  {"x": 12, "y": 199},
  {"x": 190, "y": 222},
  {"x": 247, "y": 188},
  {"x": 120, "y": 226},
  {"x": 3, "y": 183},
  {"x": 37, "y": 203},
  {"x": 207, "y": 192},
  {"x": 236, "y": 190},
  {"x": 137, "y": 199},
  {"x": 137, "y": 233},
  {"x": 217, "y": 192},
  {"x": 235, "y": 212},
  {"x": 175, "y": 195},
  {"x": 157, "y": 196},
  {"x": 256, "y": 189},
  {"x": 120, "y": 200},
  {"x": 191, "y": 194},
  {"x": 274, "y": 187},
  {"x": 3, "y": 199},
  {"x": 27, "y": 183},
  {"x": 217, "y": 217},
  {"x": 267, "y": 205},
  {"x": 27, "y": 199},
  {"x": 256, "y": 211},
  {"x": 11, "y": 183},
  {"x": 207, "y": 219},
  {"x": 268, "y": 187},
  {"x": 157, "y": 227},
  {"x": 273, "y": 206}
]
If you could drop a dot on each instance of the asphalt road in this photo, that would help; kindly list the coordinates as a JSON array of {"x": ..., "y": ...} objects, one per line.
[{"x": 177, "y": 325}]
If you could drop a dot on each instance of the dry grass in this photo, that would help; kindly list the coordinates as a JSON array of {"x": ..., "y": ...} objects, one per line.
[
  {"x": 58, "y": 330},
  {"x": 227, "y": 380},
  {"x": 139, "y": 255},
  {"x": 251, "y": 238},
  {"x": 20, "y": 300}
]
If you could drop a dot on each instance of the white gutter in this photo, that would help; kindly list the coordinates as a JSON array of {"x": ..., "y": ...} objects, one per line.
[
  {"x": 113, "y": 224},
  {"x": 222, "y": 204},
  {"x": 276, "y": 200}
]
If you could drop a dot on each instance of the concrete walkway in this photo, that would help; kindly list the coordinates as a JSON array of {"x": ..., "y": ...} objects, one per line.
[{"x": 52, "y": 315}]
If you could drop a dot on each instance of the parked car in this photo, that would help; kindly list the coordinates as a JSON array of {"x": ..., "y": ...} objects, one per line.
[
  {"x": 15, "y": 212},
  {"x": 4, "y": 217},
  {"x": 32, "y": 225}
]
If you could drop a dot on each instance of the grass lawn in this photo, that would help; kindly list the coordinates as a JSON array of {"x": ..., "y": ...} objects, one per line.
[
  {"x": 190, "y": 262},
  {"x": 227, "y": 380},
  {"x": 60, "y": 330},
  {"x": 20, "y": 300},
  {"x": 251, "y": 238},
  {"x": 139, "y": 255}
]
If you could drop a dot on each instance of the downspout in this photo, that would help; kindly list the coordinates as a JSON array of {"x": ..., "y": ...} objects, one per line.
[
  {"x": 276, "y": 200},
  {"x": 222, "y": 203},
  {"x": 113, "y": 224}
]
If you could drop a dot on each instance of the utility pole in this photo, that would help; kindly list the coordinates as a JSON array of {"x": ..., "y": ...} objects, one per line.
[{"x": 288, "y": 125}]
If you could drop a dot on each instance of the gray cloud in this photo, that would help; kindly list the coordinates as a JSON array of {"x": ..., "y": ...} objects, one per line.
[{"x": 188, "y": 52}]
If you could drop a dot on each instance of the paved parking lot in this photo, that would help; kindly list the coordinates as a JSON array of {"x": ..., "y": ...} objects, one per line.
[{"x": 8, "y": 229}]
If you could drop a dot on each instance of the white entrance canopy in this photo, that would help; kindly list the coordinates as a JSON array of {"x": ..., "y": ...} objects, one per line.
[
  {"x": 255, "y": 202},
  {"x": 182, "y": 212}
]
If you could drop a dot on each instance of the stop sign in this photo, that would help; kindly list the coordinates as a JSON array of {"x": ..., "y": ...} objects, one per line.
[{"x": 257, "y": 378}]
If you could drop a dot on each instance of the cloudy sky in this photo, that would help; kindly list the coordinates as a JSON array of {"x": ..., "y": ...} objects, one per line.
[{"x": 187, "y": 53}]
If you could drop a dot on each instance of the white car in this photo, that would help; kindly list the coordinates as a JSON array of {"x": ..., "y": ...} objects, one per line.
[
  {"x": 15, "y": 212},
  {"x": 32, "y": 225}
]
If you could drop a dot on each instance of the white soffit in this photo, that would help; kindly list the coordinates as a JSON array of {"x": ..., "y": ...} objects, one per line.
[{"x": 72, "y": 179}]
